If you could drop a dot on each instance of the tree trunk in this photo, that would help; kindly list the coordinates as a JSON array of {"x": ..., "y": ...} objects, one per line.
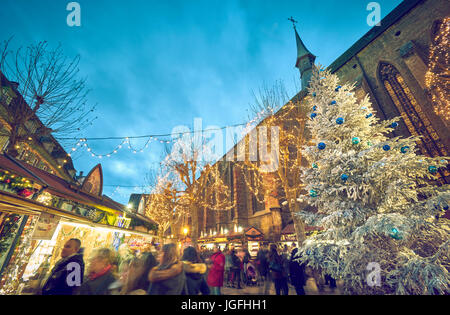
[
  {"x": 11, "y": 148},
  {"x": 194, "y": 225},
  {"x": 299, "y": 225}
]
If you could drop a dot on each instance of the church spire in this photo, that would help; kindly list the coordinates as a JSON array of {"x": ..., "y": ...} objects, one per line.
[{"x": 305, "y": 59}]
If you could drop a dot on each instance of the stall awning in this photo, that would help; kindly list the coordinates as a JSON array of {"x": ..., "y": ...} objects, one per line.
[{"x": 58, "y": 187}]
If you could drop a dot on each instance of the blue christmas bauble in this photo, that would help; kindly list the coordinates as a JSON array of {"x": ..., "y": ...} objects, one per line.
[
  {"x": 355, "y": 140},
  {"x": 386, "y": 147},
  {"x": 394, "y": 125},
  {"x": 340, "y": 121},
  {"x": 369, "y": 115},
  {"x": 314, "y": 165},
  {"x": 333, "y": 102},
  {"x": 314, "y": 94},
  {"x": 338, "y": 88},
  {"x": 432, "y": 169},
  {"x": 445, "y": 207},
  {"x": 313, "y": 115},
  {"x": 321, "y": 146},
  {"x": 313, "y": 193},
  {"x": 395, "y": 234},
  {"x": 344, "y": 177},
  {"x": 314, "y": 107},
  {"x": 404, "y": 149}
]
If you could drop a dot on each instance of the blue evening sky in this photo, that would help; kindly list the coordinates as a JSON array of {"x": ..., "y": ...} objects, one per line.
[{"x": 154, "y": 65}]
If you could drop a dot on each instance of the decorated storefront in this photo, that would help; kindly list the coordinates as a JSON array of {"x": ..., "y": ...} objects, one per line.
[{"x": 39, "y": 212}]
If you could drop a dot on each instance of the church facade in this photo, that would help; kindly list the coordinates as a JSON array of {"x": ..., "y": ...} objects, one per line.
[{"x": 389, "y": 64}]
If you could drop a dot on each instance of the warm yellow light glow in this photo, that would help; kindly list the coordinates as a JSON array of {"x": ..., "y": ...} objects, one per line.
[{"x": 185, "y": 231}]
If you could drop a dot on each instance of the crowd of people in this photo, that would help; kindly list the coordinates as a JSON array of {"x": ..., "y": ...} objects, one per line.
[{"x": 167, "y": 271}]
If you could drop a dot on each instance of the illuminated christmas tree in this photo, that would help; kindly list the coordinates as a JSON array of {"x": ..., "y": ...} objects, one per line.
[{"x": 376, "y": 199}]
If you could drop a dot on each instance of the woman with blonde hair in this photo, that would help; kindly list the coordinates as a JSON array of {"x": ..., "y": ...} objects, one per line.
[
  {"x": 100, "y": 273},
  {"x": 168, "y": 278}
]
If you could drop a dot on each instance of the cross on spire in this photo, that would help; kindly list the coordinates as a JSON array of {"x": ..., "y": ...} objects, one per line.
[{"x": 292, "y": 20}]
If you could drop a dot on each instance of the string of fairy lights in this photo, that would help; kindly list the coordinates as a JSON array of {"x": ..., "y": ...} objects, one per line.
[
  {"x": 437, "y": 77},
  {"x": 83, "y": 143}
]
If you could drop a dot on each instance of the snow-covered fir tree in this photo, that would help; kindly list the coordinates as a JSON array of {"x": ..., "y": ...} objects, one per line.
[{"x": 377, "y": 199}]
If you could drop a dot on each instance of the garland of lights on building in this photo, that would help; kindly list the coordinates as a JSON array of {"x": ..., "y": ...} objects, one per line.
[{"x": 438, "y": 76}]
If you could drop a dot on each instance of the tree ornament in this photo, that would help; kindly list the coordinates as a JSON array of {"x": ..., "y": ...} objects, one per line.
[
  {"x": 395, "y": 234},
  {"x": 344, "y": 177},
  {"x": 313, "y": 115},
  {"x": 369, "y": 115},
  {"x": 314, "y": 108},
  {"x": 333, "y": 102},
  {"x": 313, "y": 193},
  {"x": 314, "y": 94},
  {"x": 314, "y": 165},
  {"x": 394, "y": 125},
  {"x": 386, "y": 147},
  {"x": 364, "y": 107},
  {"x": 338, "y": 88},
  {"x": 340, "y": 121},
  {"x": 404, "y": 149},
  {"x": 321, "y": 146},
  {"x": 432, "y": 169},
  {"x": 355, "y": 140}
]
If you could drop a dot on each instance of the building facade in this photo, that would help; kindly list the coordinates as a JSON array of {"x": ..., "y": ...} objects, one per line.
[{"x": 389, "y": 64}]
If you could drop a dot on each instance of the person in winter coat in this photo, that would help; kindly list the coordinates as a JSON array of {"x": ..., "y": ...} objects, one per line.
[
  {"x": 228, "y": 265},
  {"x": 168, "y": 278},
  {"x": 149, "y": 262},
  {"x": 297, "y": 273},
  {"x": 236, "y": 267},
  {"x": 63, "y": 279},
  {"x": 215, "y": 275},
  {"x": 195, "y": 271},
  {"x": 278, "y": 274},
  {"x": 100, "y": 276}
]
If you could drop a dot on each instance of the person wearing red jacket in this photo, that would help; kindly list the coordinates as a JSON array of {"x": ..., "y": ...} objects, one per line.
[{"x": 217, "y": 267}]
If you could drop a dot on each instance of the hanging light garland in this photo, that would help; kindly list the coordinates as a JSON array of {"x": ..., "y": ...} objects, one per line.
[
  {"x": 438, "y": 74},
  {"x": 82, "y": 143}
]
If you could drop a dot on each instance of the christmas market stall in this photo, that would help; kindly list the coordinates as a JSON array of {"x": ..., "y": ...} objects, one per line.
[
  {"x": 39, "y": 212},
  {"x": 289, "y": 237},
  {"x": 253, "y": 238}
]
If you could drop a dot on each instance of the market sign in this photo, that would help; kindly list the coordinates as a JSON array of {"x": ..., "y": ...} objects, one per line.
[{"x": 45, "y": 227}]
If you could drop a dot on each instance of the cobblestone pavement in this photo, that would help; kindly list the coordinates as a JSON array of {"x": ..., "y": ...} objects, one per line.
[{"x": 310, "y": 289}]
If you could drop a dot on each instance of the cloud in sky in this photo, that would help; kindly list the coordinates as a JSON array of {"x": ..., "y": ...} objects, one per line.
[{"x": 153, "y": 65}]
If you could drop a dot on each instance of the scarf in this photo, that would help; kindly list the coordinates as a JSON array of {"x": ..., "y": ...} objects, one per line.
[{"x": 93, "y": 275}]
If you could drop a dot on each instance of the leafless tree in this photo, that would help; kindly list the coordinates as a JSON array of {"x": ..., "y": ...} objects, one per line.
[{"x": 42, "y": 82}]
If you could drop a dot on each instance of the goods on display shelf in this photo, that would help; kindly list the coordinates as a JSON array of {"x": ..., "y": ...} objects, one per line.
[{"x": 20, "y": 251}]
